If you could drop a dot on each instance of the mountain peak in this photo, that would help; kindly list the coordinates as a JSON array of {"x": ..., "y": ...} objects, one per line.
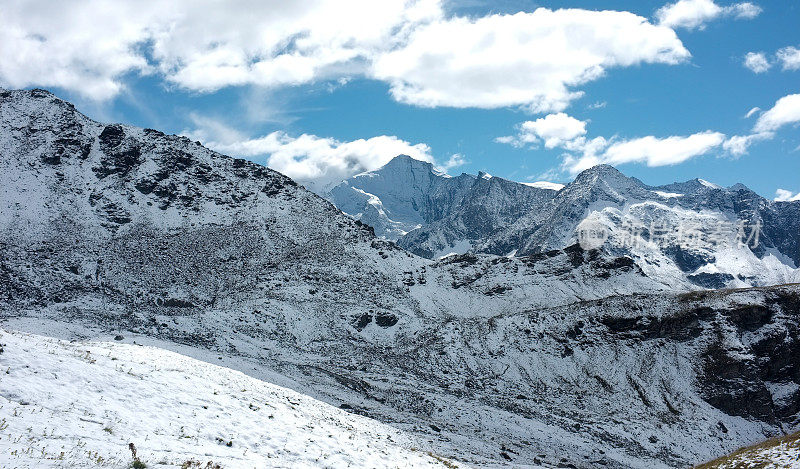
[
  {"x": 600, "y": 169},
  {"x": 708, "y": 184},
  {"x": 605, "y": 173},
  {"x": 408, "y": 163},
  {"x": 404, "y": 159}
]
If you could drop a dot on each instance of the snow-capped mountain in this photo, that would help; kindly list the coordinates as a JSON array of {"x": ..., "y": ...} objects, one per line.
[
  {"x": 446, "y": 214},
  {"x": 695, "y": 231},
  {"x": 712, "y": 236},
  {"x": 567, "y": 356},
  {"x": 411, "y": 192}
]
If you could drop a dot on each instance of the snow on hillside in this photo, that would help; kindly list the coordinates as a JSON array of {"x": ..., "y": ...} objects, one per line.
[
  {"x": 553, "y": 186},
  {"x": 776, "y": 453},
  {"x": 81, "y": 404}
]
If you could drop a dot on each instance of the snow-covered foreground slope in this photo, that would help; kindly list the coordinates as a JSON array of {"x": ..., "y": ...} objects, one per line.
[
  {"x": 81, "y": 404},
  {"x": 636, "y": 381}
]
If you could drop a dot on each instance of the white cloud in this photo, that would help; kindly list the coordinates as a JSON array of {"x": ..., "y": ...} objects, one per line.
[
  {"x": 553, "y": 186},
  {"x": 662, "y": 151},
  {"x": 782, "y": 195},
  {"x": 455, "y": 160},
  {"x": 751, "y": 112},
  {"x": 744, "y": 11},
  {"x": 739, "y": 144},
  {"x": 554, "y": 129},
  {"x": 757, "y": 62},
  {"x": 528, "y": 59},
  {"x": 694, "y": 14},
  {"x": 567, "y": 133},
  {"x": 207, "y": 129},
  {"x": 786, "y": 111},
  {"x": 88, "y": 46},
  {"x": 319, "y": 162},
  {"x": 509, "y": 140},
  {"x": 535, "y": 59},
  {"x": 597, "y": 105},
  {"x": 789, "y": 57},
  {"x": 314, "y": 161}
]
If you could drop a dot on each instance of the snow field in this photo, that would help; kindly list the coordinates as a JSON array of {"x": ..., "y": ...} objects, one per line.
[{"x": 80, "y": 404}]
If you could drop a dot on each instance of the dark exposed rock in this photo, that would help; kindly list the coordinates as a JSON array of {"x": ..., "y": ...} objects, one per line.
[
  {"x": 682, "y": 327},
  {"x": 731, "y": 383},
  {"x": 707, "y": 280},
  {"x": 118, "y": 155},
  {"x": 385, "y": 319},
  {"x": 686, "y": 260},
  {"x": 360, "y": 322},
  {"x": 750, "y": 317}
]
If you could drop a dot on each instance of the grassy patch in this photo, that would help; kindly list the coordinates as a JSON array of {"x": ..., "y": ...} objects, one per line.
[{"x": 756, "y": 456}]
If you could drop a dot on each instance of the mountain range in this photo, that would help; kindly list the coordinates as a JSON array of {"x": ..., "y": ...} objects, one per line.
[
  {"x": 693, "y": 231},
  {"x": 525, "y": 347}
]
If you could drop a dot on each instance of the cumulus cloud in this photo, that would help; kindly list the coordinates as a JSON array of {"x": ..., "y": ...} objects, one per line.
[
  {"x": 782, "y": 195},
  {"x": 738, "y": 145},
  {"x": 528, "y": 59},
  {"x": 536, "y": 59},
  {"x": 789, "y": 58},
  {"x": 694, "y": 14},
  {"x": 757, "y": 62},
  {"x": 317, "y": 162},
  {"x": 650, "y": 150},
  {"x": 203, "y": 45},
  {"x": 662, "y": 151},
  {"x": 785, "y": 111},
  {"x": 554, "y": 129},
  {"x": 568, "y": 133}
]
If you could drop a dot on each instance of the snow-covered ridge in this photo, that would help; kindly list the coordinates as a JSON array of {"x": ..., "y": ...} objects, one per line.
[
  {"x": 433, "y": 217},
  {"x": 553, "y": 186},
  {"x": 630, "y": 209},
  {"x": 408, "y": 194},
  {"x": 667, "y": 195},
  {"x": 81, "y": 404}
]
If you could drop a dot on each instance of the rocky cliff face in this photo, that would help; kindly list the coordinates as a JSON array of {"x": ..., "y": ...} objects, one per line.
[
  {"x": 561, "y": 357},
  {"x": 488, "y": 206}
]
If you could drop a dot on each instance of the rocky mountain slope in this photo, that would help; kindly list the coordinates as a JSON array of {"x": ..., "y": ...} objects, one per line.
[
  {"x": 694, "y": 231},
  {"x": 562, "y": 357}
]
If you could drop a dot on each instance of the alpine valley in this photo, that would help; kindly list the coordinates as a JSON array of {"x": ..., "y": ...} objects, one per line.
[{"x": 460, "y": 318}]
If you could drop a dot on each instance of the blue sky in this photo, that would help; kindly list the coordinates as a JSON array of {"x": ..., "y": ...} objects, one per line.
[{"x": 663, "y": 88}]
